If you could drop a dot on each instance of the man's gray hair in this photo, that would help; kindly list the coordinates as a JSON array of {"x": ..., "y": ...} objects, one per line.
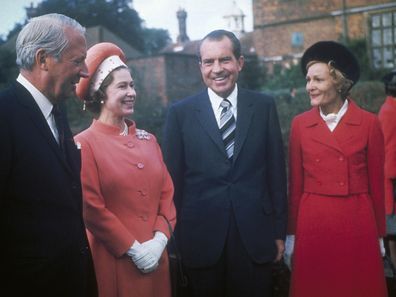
[{"x": 45, "y": 32}]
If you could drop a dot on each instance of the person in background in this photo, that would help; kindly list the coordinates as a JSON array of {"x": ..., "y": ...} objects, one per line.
[
  {"x": 336, "y": 159},
  {"x": 44, "y": 250},
  {"x": 127, "y": 190},
  {"x": 387, "y": 117},
  {"x": 224, "y": 150}
]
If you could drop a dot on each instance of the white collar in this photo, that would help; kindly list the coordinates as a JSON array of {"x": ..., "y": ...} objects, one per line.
[
  {"x": 216, "y": 99},
  {"x": 44, "y": 104},
  {"x": 332, "y": 119}
]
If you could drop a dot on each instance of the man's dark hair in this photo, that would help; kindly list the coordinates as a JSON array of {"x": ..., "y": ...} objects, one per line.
[{"x": 219, "y": 35}]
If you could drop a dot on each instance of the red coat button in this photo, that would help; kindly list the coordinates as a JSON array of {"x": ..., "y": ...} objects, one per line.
[{"x": 140, "y": 165}]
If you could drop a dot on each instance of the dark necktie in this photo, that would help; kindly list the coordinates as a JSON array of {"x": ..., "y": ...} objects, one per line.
[
  {"x": 227, "y": 127},
  {"x": 59, "y": 126}
]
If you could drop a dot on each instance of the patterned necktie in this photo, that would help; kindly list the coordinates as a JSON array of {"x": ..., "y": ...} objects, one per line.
[{"x": 227, "y": 127}]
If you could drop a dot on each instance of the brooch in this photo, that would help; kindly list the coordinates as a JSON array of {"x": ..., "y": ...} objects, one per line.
[{"x": 141, "y": 134}]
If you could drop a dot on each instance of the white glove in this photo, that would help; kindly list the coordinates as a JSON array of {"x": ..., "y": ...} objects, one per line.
[
  {"x": 382, "y": 247},
  {"x": 142, "y": 257},
  {"x": 156, "y": 245},
  {"x": 289, "y": 248}
]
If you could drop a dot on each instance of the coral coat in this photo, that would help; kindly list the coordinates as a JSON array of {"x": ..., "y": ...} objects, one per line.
[
  {"x": 126, "y": 187},
  {"x": 387, "y": 117},
  {"x": 337, "y": 205}
]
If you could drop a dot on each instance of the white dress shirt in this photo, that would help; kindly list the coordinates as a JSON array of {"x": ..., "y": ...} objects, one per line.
[{"x": 215, "y": 101}]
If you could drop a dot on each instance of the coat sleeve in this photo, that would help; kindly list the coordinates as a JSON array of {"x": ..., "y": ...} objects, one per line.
[
  {"x": 276, "y": 175},
  {"x": 166, "y": 208},
  {"x": 5, "y": 157},
  {"x": 388, "y": 123},
  {"x": 174, "y": 154},
  {"x": 296, "y": 175},
  {"x": 99, "y": 220},
  {"x": 375, "y": 161}
]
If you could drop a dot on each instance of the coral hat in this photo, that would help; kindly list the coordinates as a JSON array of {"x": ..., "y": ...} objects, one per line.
[{"x": 95, "y": 56}]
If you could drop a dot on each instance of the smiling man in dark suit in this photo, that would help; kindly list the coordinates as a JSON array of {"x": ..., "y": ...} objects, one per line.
[
  {"x": 44, "y": 250},
  {"x": 224, "y": 151}
]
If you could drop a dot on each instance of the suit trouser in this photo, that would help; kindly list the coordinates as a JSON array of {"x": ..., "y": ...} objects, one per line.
[{"x": 234, "y": 275}]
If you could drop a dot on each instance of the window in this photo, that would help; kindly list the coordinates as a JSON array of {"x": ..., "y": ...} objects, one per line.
[
  {"x": 383, "y": 39},
  {"x": 297, "y": 39}
]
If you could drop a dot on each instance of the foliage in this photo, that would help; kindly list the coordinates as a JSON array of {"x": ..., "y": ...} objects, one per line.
[
  {"x": 150, "y": 115},
  {"x": 115, "y": 15},
  {"x": 155, "y": 40},
  {"x": 8, "y": 68},
  {"x": 288, "y": 107},
  {"x": 253, "y": 76},
  {"x": 79, "y": 119},
  {"x": 111, "y": 14},
  {"x": 285, "y": 78},
  {"x": 369, "y": 95},
  {"x": 360, "y": 50}
]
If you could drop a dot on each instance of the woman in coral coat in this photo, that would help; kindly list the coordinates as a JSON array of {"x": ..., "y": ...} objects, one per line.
[
  {"x": 336, "y": 184},
  {"x": 387, "y": 117},
  {"x": 128, "y": 193}
]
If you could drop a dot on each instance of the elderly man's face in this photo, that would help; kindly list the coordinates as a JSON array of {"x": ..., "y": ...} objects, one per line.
[
  {"x": 219, "y": 67},
  {"x": 65, "y": 73}
]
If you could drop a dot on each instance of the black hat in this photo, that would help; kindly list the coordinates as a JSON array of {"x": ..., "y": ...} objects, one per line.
[
  {"x": 390, "y": 78},
  {"x": 389, "y": 81},
  {"x": 325, "y": 51}
]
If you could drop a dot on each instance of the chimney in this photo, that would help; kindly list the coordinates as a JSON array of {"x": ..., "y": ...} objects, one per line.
[{"x": 182, "y": 16}]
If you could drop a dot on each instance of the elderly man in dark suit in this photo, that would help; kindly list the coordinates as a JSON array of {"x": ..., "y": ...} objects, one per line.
[
  {"x": 224, "y": 151},
  {"x": 44, "y": 250}
]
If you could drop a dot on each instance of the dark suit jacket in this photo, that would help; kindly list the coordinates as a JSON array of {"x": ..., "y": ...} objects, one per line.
[
  {"x": 209, "y": 187},
  {"x": 44, "y": 249}
]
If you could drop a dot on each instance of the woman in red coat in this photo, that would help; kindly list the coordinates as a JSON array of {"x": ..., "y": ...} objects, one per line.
[
  {"x": 336, "y": 159},
  {"x": 387, "y": 117},
  {"x": 128, "y": 193}
]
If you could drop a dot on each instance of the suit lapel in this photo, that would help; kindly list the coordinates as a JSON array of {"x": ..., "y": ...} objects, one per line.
[
  {"x": 318, "y": 131},
  {"x": 33, "y": 111},
  {"x": 342, "y": 134},
  {"x": 207, "y": 120},
  {"x": 345, "y": 130},
  {"x": 244, "y": 117}
]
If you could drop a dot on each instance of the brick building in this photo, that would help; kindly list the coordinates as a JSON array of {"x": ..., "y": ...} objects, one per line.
[{"x": 283, "y": 29}]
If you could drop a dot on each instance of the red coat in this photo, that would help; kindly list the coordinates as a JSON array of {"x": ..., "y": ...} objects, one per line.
[
  {"x": 337, "y": 205},
  {"x": 387, "y": 117},
  {"x": 126, "y": 187}
]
